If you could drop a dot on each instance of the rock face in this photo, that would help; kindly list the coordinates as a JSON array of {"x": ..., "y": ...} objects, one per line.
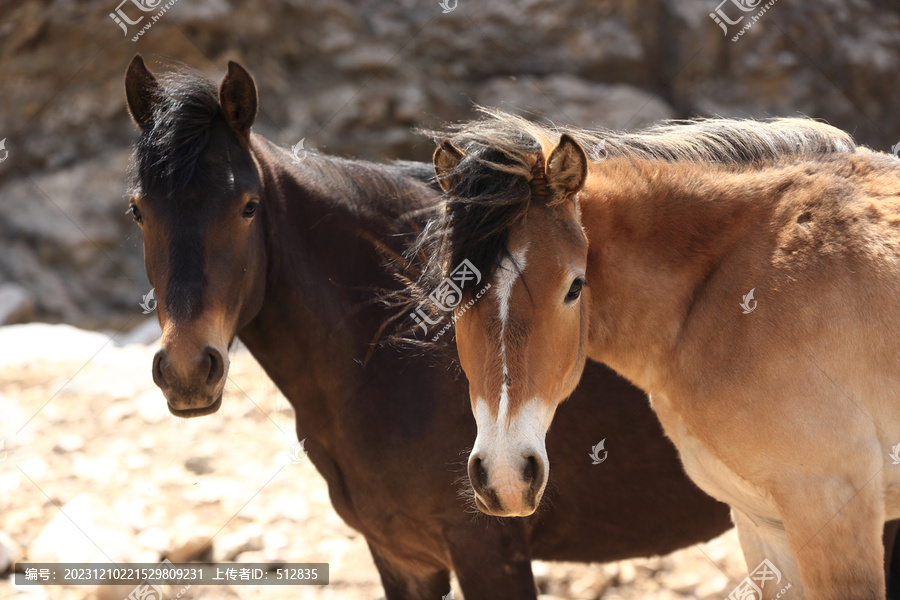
[
  {"x": 354, "y": 77},
  {"x": 16, "y": 304}
]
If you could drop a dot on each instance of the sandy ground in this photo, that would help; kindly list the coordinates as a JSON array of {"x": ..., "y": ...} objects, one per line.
[{"x": 99, "y": 444}]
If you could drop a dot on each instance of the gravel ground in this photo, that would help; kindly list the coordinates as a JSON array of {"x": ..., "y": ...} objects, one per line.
[{"x": 102, "y": 451}]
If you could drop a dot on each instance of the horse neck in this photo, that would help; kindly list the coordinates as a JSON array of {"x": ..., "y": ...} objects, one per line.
[
  {"x": 658, "y": 232},
  {"x": 323, "y": 275}
]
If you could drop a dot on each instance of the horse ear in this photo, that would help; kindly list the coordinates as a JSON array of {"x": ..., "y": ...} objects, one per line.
[
  {"x": 237, "y": 95},
  {"x": 446, "y": 159},
  {"x": 140, "y": 89},
  {"x": 566, "y": 167}
]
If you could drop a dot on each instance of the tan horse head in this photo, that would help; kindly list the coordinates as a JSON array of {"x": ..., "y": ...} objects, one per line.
[{"x": 538, "y": 292}]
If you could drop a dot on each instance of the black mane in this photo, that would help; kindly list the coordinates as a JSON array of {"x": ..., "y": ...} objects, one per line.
[{"x": 169, "y": 148}]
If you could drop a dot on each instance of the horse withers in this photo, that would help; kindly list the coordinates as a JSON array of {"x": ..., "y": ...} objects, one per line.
[{"x": 241, "y": 242}]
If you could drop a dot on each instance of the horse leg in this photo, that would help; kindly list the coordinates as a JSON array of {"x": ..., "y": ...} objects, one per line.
[
  {"x": 834, "y": 527},
  {"x": 492, "y": 560},
  {"x": 891, "y": 574},
  {"x": 766, "y": 540},
  {"x": 409, "y": 582}
]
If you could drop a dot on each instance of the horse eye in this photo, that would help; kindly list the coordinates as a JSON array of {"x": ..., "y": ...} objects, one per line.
[
  {"x": 135, "y": 214},
  {"x": 250, "y": 209},
  {"x": 575, "y": 289}
]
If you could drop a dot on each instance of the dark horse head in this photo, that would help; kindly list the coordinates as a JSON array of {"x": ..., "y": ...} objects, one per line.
[{"x": 196, "y": 193}]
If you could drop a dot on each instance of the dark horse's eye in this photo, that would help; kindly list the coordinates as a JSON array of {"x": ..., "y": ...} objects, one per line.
[
  {"x": 575, "y": 290},
  {"x": 250, "y": 209},
  {"x": 135, "y": 214}
]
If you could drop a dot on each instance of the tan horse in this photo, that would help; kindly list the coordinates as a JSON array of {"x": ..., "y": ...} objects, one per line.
[{"x": 745, "y": 274}]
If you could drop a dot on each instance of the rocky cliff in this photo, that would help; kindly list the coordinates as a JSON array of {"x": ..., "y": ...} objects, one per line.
[{"x": 355, "y": 77}]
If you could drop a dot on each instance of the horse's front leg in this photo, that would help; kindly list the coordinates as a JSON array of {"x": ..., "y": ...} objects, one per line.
[
  {"x": 403, "y": 580},
  {"x": 492, "y": 559},
  {"x": 770, "y": 563},
  {"x": 892, "y": 559},
  {"x": 834, "y": 527}
]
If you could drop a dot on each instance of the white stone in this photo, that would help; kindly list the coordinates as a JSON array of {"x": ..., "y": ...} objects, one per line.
[
  {"x": 93, "y": 467},
  {"x": 70, "y": 442},
  {"x": 229, "y": 546},
  {"x": 9, "y": 552},
  {"x": 155, "y": 539},
  {"x": 82, "y": 531},
  {"x": 540, "y": 569},
  {"x": 681, "y": 582},
  {"x": 34, "y": 467},
  {"x": 145, "y": 334},
  {"x": 41, "y": 342},
  {"x": 13, "y": 419},
  {"x": 16, "y": 304},
  {"x": 275, "y": 539},
  {"x": 714, "y": 587},
  {"x": 151, "y": 406}
]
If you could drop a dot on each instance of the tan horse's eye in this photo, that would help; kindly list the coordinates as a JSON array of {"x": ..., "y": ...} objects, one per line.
[{"x": 575, "y": 289}]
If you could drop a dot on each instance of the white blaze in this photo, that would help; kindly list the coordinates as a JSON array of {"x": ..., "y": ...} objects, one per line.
[{"x": 509, "y": 271}]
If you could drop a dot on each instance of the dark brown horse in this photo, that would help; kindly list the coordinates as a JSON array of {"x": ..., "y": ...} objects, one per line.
[{"x": 240, "y": 242}]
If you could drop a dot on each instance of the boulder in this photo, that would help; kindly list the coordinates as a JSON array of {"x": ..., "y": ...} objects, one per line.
[{"x": 17, "y": 304}]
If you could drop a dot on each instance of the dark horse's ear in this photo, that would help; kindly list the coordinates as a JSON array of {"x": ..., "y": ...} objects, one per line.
[
  {"x": 566, "y": 167},
  {"x": 237, "y": 95},
  {"x": 140, "y": 91},
  {"x": 446, "y": 159}
]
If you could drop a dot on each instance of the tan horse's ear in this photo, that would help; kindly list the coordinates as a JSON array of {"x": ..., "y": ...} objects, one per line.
[
  {"x": 566, "y": 167},
  {"x": 237, "y": 95},
  {"x": 446, "y": 159},
  {"x": 140, "y": 89}
]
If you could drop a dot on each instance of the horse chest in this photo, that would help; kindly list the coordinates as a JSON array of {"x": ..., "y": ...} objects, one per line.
[{"x": 705, "y": 468}]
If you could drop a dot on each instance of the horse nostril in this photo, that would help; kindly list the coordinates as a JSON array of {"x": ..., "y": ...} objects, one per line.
[
  {"x": 533, "y": 473},
  {"x": 478, "y": 473},
  {"x": 216, "y": 366},
  {"x": 528, "y": 474},
  {"x": 157, "y": 370}
]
